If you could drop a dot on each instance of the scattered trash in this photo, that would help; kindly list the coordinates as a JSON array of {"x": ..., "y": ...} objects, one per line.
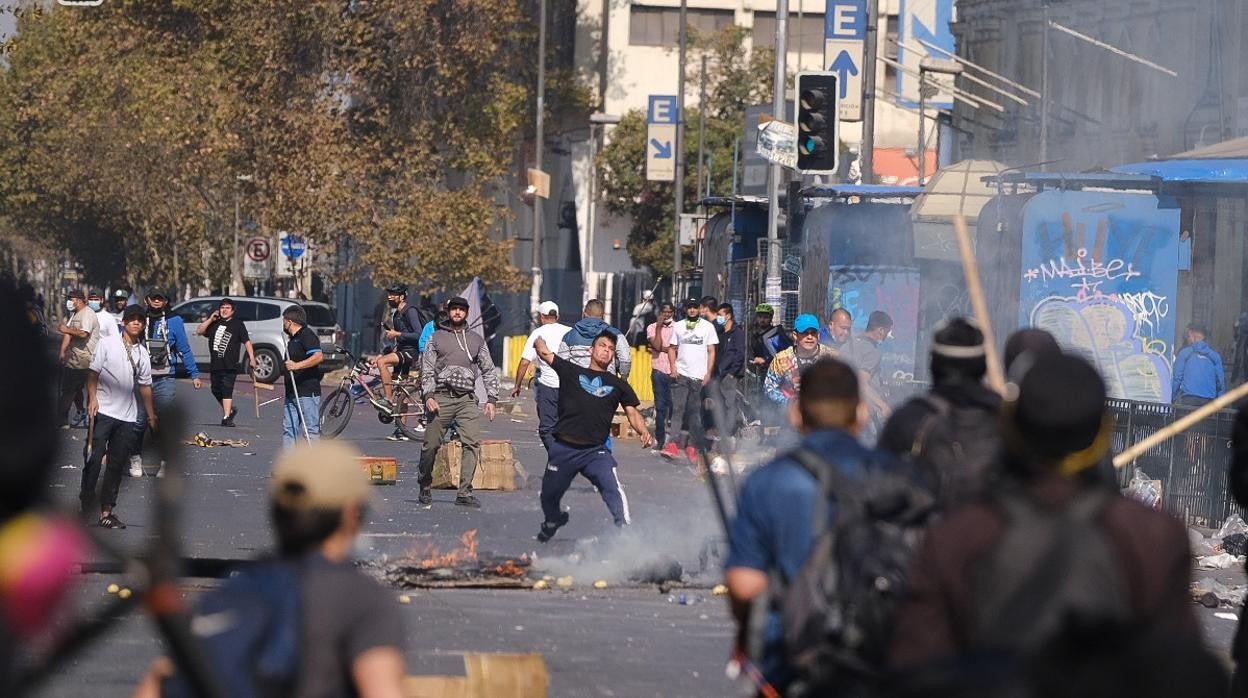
[
  {"x": 1235, "y": 543},
  {"x": 1224, "y": 561},
  {"x": 1144, "y": 490},
  {"x": 124, "y": 593},
  {"x": 684, "y": 599},
  {"x": 404, "y": 599},
  {"x": 719, "y": 465},
  {"x": 204, "y": 441},
  {"x": 541, "y": 584},
  {"x": 69, "y": 467},
  {"x": 1226, "y": 616},
  {"x": 564, "y": 581},
  {"x": 113, "y": 588},
  {"x": 1211, "y": 593},
  {"x": 719, "y": 590},
  {"x": 1231, "y": 526},
  {"x": 1200, "y": 546},
  {"x": 600, "y": 584}
]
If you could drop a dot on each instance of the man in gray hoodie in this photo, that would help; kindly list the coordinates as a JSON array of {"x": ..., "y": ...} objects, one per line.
[
  {"x": 579, "y": 340},
  {"x": 449, "y": 367}
]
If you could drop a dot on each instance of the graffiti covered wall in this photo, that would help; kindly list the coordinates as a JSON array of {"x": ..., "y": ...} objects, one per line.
[
  {"x": 1100, "y": 272},
  {"x": 894, "y": 290}
]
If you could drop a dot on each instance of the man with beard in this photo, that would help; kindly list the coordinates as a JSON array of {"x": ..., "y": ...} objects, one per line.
[
  {"x": 453, "y": 360},
  {"x": 225, "y": 332},
  {"x": 577, "y": 343},
  {"x": 167, "y": 344},
  {"x": 402, "y": 339},
  {"x": 783, "y": 381}
]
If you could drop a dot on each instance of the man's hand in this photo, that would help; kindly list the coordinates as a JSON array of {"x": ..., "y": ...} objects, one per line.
[
  {"x": 431, "y": 405},
  {"x": 151, "y": 421},
  {"x": 490, "y": 410},
  {"x": 706, "y": 380},
  {"x": 62, "y": 356},
  {"x": 675, "y": 375},
  {"x": 515, "y": 392},
  {"x": 647, "y": 439},
  {"x": 197, "y": 383},
  {"x": 393, "y": 334},
  {"x": 93, "y": 406},
  {"x": 291, "y": 365}
]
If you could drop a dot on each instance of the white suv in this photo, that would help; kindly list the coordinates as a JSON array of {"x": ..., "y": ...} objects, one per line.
[{"x": 263, "y": 318}]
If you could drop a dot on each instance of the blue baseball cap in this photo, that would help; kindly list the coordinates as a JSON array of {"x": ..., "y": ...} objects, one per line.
[{"x": 805, "y": 322}]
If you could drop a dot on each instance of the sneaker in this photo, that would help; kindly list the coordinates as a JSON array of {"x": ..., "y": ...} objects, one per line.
[
  {"x": 161, "y": 472},
  {"x": 549, "y": 528},
  {"x": 383, "y": 404},
  {"x": 80, "y": 420},
  {"x": 398, "y": 435},
  {"x": 419, "y": 427},
  {"x": 111, "y": 521},
  {"x": 692, "y": 454},
  {"x": 136, "y": 466},
  {"x": 467, "y": 500},
  {"x": 426, "y": 496},
  {"x": 233, "y": 412},
  {"x": 228, "y": 421},
  {"x": 671, "y": 451}
]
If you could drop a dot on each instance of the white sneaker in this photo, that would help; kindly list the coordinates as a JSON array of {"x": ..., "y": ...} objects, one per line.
[
  {"x": 136, "y": 466},
  {"x": 161, "y": 472}
]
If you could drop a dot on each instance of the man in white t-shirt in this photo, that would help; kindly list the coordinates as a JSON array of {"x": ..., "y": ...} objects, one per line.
[
  {"x": 108, "y": 322},
  {"x": 691, "y": 354},
  {"x": 547, "y": 392},
  {"x": 120, "y": 365}
]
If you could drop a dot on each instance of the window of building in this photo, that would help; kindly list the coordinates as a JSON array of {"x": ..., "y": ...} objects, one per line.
[
  {"x": 805, "y": 31},
  {"x": 660, "y": 26}
]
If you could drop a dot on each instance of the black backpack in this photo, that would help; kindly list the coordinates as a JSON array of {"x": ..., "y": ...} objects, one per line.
[
  {"x": 839, "y": 612},
  {"x": 248, "y": 630},
  {"x": 955, "y": 448},
  {"x": 1053, "y": 571}
]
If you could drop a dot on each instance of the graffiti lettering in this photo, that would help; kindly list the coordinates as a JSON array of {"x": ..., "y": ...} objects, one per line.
[
  {"x": 1148, "y": 307},
  {"x": 1081, "y": 269}
]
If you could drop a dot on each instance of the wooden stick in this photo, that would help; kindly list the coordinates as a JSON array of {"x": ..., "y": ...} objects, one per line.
[
  {"x": 996, "y": 376},
  {"x": 1160, "y": 436},
  {"x": 255, "y": 390}
]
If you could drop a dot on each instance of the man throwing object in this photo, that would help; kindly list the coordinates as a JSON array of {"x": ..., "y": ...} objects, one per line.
[{"x": 588, "y": 398}]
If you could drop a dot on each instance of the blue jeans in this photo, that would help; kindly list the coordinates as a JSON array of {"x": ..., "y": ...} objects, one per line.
[
  {"x": 662, "y": 384},
  {"x": 547, "y": 400},
  {"x": 163, "y": 392},
  {"x": 292, "y": 429}
]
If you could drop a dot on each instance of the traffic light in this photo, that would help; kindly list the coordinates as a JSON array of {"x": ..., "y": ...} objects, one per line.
[{"x": 817, "y": 122}]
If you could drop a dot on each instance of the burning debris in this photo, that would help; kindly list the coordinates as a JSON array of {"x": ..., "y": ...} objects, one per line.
[{"x": 464, "y": 567}]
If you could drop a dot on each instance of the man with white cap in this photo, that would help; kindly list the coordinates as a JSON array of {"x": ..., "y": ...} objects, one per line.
[
  {"x": 349, "y": 639},
  {"x": 547, "y": 392}
]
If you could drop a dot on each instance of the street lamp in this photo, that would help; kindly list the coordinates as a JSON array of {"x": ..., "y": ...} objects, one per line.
[
  {"x": 236, "y": 273},
  {"x": 596, "y": 119},
  {"x": 940, "y": 67}
]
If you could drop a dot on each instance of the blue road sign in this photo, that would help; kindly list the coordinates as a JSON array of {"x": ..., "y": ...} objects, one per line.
[
  {"x": 662, "y": 110},
  {"x": 844, "y": 66},
  {"x": 845, "y": 19},
  {"x": 294, "y": 246},
  {"x": 662, "y": 149}
]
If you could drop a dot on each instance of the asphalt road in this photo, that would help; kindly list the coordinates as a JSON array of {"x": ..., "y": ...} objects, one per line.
[{"x": 626, "y": 640}]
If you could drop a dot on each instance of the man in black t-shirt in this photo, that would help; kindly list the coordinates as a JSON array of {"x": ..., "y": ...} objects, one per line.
[
  {"x": 225, "y": 332},
  {"x": 302, "y": 412},
  {"x": 588, "y": 398}
]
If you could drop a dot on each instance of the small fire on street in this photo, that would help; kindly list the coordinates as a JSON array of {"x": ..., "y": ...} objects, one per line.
[{"x": 427, "y": 567}]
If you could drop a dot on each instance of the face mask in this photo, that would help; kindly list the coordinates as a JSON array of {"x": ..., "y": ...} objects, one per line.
[
  {"x": 720, "y": 320},
  {"x": 94, "y": 305},
  {"x": 69, "y": 305},
  {"x": 392, "y": 304}
]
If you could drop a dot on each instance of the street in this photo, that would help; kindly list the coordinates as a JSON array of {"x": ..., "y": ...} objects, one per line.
[{"x": 625, "y": 640}]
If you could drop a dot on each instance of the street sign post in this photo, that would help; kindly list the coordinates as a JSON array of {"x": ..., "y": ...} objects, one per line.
[
  {"x": 777, "y": 141},
  {"x": 844, "y": 37},
  {"x": 924, "y": 22},
  {"x": 257, "y": 260},
  {"x": 293, "y": 258},
  {"x": 661, "y": 120}
]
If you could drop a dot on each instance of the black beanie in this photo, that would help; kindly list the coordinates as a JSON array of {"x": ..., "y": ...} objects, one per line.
[
  {"x": 1029, "y": 339},
  {"x": 1060, "y": 405},
  {"x": 958, "y": 352}
]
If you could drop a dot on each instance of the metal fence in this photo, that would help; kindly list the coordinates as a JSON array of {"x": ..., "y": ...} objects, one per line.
[{"x": 1192, "y": 467}]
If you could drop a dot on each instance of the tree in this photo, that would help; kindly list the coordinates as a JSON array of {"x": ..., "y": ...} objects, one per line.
[{"x": 735, "y": 79}]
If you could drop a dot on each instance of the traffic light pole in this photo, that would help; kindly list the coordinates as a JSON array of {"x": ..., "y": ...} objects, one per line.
[
  {"x": 678, "y": 186},
  {"x": 535, "y": 291},
  {"x": 870, "y": 64},
  {"x": 771, "y": 287}
]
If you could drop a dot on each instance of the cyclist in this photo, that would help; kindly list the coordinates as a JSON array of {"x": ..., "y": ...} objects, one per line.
[{"x": 401, "y": 351}]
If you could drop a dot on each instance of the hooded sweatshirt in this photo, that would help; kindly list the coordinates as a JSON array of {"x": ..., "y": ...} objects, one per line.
[{"x": 577, "y": 341}]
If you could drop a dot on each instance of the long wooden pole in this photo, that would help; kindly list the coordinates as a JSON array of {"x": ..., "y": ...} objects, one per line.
[
  {"x": 979, "y": 304},
  {"x": 1169, "y": 432}
]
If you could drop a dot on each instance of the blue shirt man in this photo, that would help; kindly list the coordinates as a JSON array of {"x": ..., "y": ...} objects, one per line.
[
  {"x": 774, "y": 530},
  {"x": 167, "y": 342},
  {"x": 1198, "y": 373}
]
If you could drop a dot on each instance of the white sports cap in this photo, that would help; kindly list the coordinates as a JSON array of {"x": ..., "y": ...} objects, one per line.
[{"x": 548, "y": 308}]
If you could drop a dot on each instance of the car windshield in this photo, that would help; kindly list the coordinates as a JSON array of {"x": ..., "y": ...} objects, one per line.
[{"x": 321, "y": 315}]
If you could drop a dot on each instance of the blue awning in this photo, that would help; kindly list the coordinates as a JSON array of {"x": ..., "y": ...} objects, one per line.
[
  {"x": 864, "y": 191},
  {"x": 1229, "y": 171}
]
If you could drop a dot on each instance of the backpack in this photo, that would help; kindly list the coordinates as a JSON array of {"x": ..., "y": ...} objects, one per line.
[
  {"x": 158, "y": 348},
  {"x": 1052, "y": 571},
  {"x": 839, "y": 612},
  {"x": 248, "y": 630},
  {"x": 955, "y": 448}
]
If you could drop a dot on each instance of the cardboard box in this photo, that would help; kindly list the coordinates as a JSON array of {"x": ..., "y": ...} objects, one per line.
[
  {"x": 380, "y": 471},
  {"x": 488, "y": 676},
  {"x": 496, "y": 468}
]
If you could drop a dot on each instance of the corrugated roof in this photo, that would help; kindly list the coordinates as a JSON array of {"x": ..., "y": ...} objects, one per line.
[
  {"x": 1234, "y": 148},
  {"x": 1222, "y": 170},
  {"x": 956, "y": 189}
]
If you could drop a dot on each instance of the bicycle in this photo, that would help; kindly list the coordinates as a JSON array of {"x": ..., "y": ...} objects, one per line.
[{"x": 338, "y": 406}]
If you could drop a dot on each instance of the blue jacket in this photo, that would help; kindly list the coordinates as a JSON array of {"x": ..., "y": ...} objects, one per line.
[
  {"x": 179, "y": 344},
  {"x": 426, "y": 333},
  {"x": 730, "y": 354},
  {"x": 1198, "y": 372},
  {"x": 577, "y": 341}
]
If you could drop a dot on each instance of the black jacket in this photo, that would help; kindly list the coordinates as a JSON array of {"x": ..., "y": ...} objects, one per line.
[{"x": 730, "y": 354}]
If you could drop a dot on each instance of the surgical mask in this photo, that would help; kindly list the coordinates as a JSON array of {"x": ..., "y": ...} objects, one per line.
[
  {"x": 720, "y": 320},
  {"x": 69, "y": 305},
  {"x": 392, "y": 304},
  {"x": 94, "y": 305}
]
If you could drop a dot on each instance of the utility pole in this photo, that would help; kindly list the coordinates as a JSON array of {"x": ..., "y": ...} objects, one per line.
[
  {"x": 1044, "y": 88},
  {"x": 535, "y": 291},
  {"x": 867, "y": 151},
  {"x": 771, "y": 287},
  {"x": 701, "y": 126},
  {"x": 679, "y": 146}
]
